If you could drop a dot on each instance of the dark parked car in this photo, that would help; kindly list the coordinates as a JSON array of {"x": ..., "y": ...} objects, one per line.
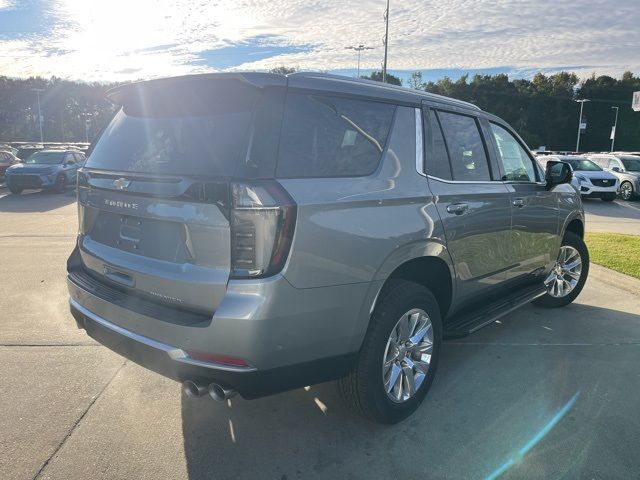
[
  {"x": 45, "y": 169},
  {"x": 255, "y": 233}
]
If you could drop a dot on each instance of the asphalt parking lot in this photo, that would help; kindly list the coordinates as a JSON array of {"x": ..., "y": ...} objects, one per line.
[
  {"x": 541, "y": 394},
  {"x": 617, "y": 217}
]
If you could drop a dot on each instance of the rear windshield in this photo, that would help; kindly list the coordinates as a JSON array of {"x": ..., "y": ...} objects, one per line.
[{"x": 194, "y": 129}]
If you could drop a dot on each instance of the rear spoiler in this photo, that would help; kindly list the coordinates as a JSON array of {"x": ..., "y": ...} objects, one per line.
[{"x": 256, "y": 79}]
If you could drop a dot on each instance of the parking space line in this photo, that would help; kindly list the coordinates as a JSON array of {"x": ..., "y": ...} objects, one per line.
[{"x": 75, "y": 425}]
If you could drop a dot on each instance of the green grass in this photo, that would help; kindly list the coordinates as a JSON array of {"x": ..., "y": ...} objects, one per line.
[{"x": 615, "y": 251}]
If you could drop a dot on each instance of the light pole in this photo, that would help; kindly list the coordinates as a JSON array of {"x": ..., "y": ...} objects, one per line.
[
  {"x": 87, "y": 120},
  {"x": 385, "y": 42},
  {"x": 38, "y": 90},
  {"x": 615, "y": 125},
  {"x": 358, "y": 49},
  {"x": 581, "y": 102}
]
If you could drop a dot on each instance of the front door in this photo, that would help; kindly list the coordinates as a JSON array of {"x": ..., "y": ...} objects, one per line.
[
  {"x": 474, "y": 208},
  {"x": 535, "y": 228}
]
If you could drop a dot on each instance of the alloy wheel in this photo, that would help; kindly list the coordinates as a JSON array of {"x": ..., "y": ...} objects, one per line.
[
  {"x": 626, "y": 191},
  {"x": 407, "y": 355},
  {"x": 565, "y": 275}
]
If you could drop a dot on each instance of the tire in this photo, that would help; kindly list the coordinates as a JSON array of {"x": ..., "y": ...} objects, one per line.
[
  {"x": 549, "y": 300},
  {"x": 61, "y": 184},
  {"x": 608, "y": 197},
  {"x": 15, "y": 190},
  {"x": 626, "y": 191},
  {"x": 363, "y": 390}
]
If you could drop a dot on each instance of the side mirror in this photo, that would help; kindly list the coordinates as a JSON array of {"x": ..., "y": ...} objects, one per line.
[
  {"x": 557, "y": 173},
  {"x": 616, "y": 169}
]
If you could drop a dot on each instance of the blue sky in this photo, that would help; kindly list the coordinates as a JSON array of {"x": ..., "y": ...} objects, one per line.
[{"x": 134, "y": 39}]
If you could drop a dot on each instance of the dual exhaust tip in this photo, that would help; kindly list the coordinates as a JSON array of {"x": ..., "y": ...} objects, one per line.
[{"x": 216, "y": 391}]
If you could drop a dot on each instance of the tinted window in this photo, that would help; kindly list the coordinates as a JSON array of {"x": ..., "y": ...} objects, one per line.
[
  {"x": 437, "y": 161},
  {"x": 517, "y": 165},
  {"x": 326, "y": 136},
  {"x": 631, "y": 164},
  {"x": 402, "y": 140},
  {"x": 466, "y": 150},
  {"x": 199, "y": 129}
]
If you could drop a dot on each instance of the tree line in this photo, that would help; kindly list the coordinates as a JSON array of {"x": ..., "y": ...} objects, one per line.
[{"x": 542, "y": 109}]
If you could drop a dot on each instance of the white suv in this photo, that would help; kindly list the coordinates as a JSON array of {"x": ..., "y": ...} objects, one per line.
[{"x": 588, "y": 178}]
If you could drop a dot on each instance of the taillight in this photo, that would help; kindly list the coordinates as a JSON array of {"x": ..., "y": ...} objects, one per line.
[{"x": 263, "y": 218}]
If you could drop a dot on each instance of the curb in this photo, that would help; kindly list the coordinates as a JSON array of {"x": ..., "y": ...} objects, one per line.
[{"x": 619, "y": 280}]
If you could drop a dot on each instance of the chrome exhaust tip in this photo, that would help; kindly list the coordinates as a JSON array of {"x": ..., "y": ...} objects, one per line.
[
  {"x": 220, "y": 393},
  {"x": 192, "y": 389}
]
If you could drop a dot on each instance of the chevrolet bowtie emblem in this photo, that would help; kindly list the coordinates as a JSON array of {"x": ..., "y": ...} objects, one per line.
[{"x": 121, "y": 183}]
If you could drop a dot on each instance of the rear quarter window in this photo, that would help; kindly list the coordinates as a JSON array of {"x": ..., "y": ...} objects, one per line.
[{"x": 325, "y": 136}]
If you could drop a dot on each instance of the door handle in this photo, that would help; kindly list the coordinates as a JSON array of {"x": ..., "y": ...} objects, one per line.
[
  {"x": 457, "y": 208},
  {"x": 519, "y": 202}
]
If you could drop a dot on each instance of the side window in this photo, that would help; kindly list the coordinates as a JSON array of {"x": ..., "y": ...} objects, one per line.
[
  {"x": 613, "y": 163},
  {"x": 517, "y": 165},
  {"x": 402, "y": 140},
  {"x": 437, "y": 158},
  {"x": 69, "y": 158},
  {"x": 466, "y": 150},
  {"x": 328, "y": 136}
]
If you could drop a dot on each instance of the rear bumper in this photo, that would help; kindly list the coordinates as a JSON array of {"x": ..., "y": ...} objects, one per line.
[
  {"x": 175, "y": 363},
  {"x": 291, "y": 337}
]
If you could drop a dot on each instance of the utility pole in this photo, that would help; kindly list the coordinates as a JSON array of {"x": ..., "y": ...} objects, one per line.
[
  {"x": 581, "y": 102},
  {"x": 38, "y": 90},
  {"x": 358, "y": 49},
  {"x": 615, "y": 125},
  {"x": 385, "y": 42}
]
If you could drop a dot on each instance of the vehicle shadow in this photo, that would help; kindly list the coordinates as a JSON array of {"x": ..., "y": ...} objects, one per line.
[
  {"x": 31, "y": 201},
  {"x": 491, "y": 403},
  {"x": 617, "y": 209}
]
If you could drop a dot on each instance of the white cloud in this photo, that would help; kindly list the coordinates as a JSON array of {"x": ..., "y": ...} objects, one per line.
[{"x": 121, "y": 39}]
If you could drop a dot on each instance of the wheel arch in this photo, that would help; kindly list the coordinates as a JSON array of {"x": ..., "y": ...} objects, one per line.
[
  {"x": 575, "y": 225},
  {"x": 426, "y": 263}
]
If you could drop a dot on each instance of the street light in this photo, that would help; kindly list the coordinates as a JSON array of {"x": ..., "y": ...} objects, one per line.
[
  {"x": 581, "y": 102},
  {"x": 38, "y": 90},
  {"x": 358, "y": 49},
  {"x": 613, "y": 133}
]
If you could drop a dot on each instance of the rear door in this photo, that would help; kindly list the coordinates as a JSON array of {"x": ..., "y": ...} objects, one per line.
[
  {"x": 535, "y": 238},
  {"x": 154, "y": 193},
  {"x": 474, "y": 208}
]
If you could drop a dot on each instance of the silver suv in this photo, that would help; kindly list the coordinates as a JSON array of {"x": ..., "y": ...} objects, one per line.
[
  {"x": 625, "y": 167},
  {"x": 256, "y": 233}
]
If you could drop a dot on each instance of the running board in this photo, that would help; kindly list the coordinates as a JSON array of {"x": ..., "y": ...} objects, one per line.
[{"x": 468, "y": 322}]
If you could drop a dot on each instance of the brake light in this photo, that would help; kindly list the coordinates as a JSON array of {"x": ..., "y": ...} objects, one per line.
[{"x": 263, "y": 219}]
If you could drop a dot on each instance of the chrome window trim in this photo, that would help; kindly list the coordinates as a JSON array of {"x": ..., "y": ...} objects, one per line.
[
  {"x": 419, "y": 143},
  {"x": 492, "y": 182},
  {"x": 174, "y": 353}
]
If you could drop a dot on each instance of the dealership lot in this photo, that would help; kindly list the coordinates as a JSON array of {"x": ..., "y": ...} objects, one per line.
[{"x": 541, "y": 394}]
